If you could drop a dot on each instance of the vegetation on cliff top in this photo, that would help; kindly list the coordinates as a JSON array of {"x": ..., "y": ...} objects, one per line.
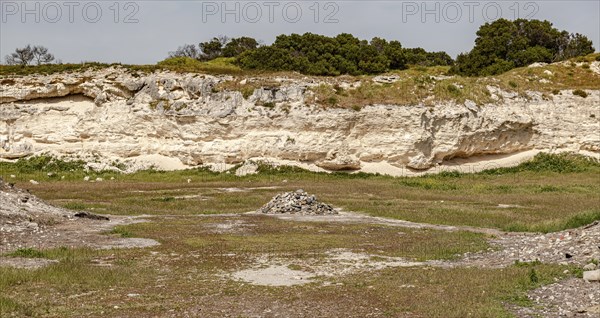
[
  {"x": 503, "y": 45},
  {"x": 500, "y": 46}
]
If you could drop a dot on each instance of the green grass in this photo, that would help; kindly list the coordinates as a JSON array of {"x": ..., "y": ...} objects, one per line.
[
  {"x": 46, "y": 291},
  {"x": 27, "y": 253},
  {"x": 185, "y": 273},
  {"x": 418, "y": 86},
  {"x": 549, "y": 193},
  {"x": 221, "y": 65},
  {"x": 121, "y": 231}
]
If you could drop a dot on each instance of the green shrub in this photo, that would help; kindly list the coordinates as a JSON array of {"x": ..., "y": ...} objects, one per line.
[
  {"x": 332, "y": 101},
  {"x": 27, "y": 253},
  {"x": 48, "y": 163},
  {"x": 580, "y": 93},
  {"x": 544, "y": 162},
  {"x": 513, "y": 84},
  {"x": 506, "y": 44},
  {"x": 453, "y": 89},
  {"x": 269, "y": 104},
  {"x": 533, "y": 277},
  {"x": 121, "y": 232}
]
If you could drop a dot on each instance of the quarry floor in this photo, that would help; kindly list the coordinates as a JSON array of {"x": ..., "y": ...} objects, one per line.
[{"x": 187, "y": 244}]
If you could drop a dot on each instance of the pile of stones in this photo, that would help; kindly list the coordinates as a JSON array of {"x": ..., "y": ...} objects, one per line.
[{"x": 297, "y": 202}]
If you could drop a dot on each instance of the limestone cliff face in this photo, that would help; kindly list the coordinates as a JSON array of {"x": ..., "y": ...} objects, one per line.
[{"x": 115, "y": 113}]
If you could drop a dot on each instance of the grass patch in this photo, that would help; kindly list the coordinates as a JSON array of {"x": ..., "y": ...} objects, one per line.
[
  {"x": 221, "y": 65},
  {"x": 549, "y": 193},
  {"x": 559, "y": 163},
  {"x": 47, "y": 163},
  {"x": 121, "y": 231},
  {"x": 27, "y": 253},
  {"x": 77, "y": 206}
]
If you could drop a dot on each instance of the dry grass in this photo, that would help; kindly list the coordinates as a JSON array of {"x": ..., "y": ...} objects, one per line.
[
  {"x": 183, "y": 276},
  {"x": 538, "y": 201}
]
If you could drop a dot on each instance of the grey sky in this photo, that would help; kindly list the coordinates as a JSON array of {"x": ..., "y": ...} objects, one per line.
[{"x": 163, "y": 25}]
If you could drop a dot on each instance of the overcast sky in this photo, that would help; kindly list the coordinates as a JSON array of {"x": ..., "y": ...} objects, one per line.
[{"x": 141, "y": 32}]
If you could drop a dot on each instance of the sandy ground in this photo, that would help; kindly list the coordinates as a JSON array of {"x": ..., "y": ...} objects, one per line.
[
  {"x": 357, "y": 218},
  {"x": 465, "y": 165}
]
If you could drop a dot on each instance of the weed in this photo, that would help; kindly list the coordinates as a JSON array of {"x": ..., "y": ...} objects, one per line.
[
  {"x": 268, "y": 104},
  {"x": 453, "y": 89},
  {"x": 121, "y": 231},
  {"x": 533, "y": 276},
  {"x": 48, "y": 163},
  {"x": 164, "y": 199},
  {"x": 332, "y": 101},
  {"x": 580, "y": 93},
  {"x": 519, "y": 263},
  {"x": 75, "y": 206},
  {"x": 27, "y": 253}
]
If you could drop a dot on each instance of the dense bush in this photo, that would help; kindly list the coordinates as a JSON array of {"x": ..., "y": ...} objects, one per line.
[
  {"x": 49, "y": 164},
  {"x": 420, "y": 57},
  {"x": 343, "y": 54},
  {"x": 503, "y": 45}
]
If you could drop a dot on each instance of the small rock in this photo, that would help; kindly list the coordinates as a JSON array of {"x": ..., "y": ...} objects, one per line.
[
  {"x": 33, "y": 182},
  {"x": 99, "y": 179},
  {"x": 382, "y": 79},
  {"x": 592, "y": 276},
  {"x": 590, "y": 267},
  {"x": 86, "y": 178}
]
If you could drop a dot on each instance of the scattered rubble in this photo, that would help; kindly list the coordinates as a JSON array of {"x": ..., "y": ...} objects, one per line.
[
  {"x": 570, "y": 247},
  {"x": 568, "y": 298},
  {"x": 298, "y": 202}
]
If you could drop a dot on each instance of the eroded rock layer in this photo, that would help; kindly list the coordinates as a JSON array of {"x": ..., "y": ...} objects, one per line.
[{"x": 117, "y": 113}]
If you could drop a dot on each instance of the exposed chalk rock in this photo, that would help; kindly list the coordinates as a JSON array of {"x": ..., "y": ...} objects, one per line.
[
  {"x": 592, "y": 276},
  {"x": 119, "y": 114}
]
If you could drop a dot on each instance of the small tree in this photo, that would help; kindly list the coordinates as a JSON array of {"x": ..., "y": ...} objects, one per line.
[
  {"x": 187, "y": 50},
  {"x": 213, "y": 48},
  {"x": 22, "y": 56},
  {"x": 238, "y": 46},
  {"x": 41, "y": 55}
]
